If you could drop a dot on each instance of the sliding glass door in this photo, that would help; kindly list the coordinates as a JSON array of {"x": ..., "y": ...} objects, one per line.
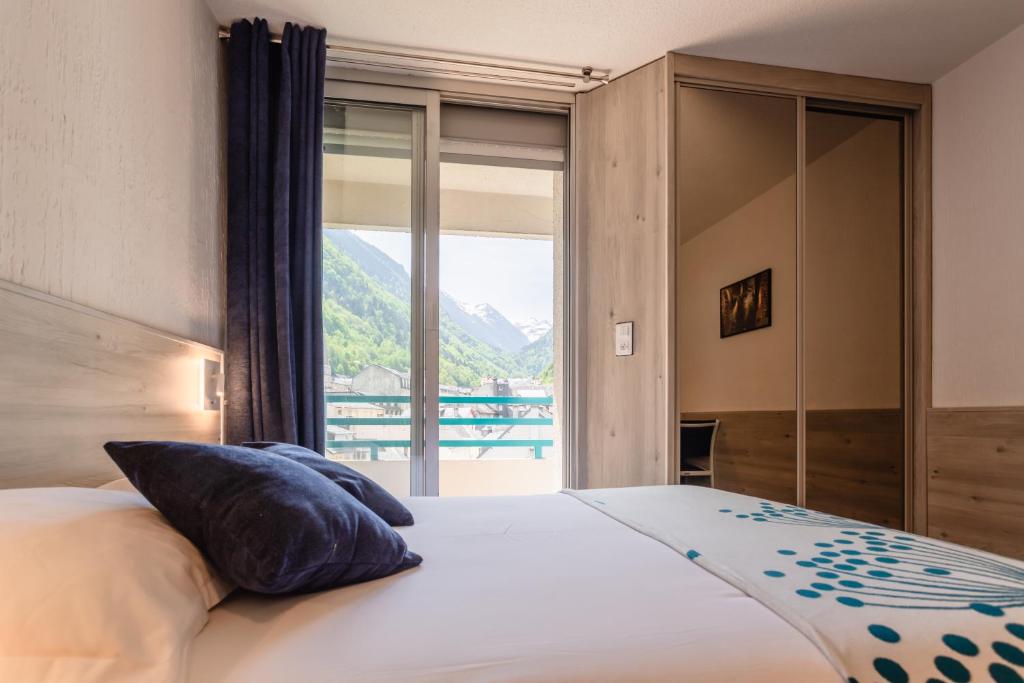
[
  {"x": 371, "y": 157},
  {"x": 443, "y": 290},
  {"x": 501, "y": 214}
]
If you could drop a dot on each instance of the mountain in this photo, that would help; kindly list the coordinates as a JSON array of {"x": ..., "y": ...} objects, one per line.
[
  {"x": 374, "y": 263},
  {"x": 537, "y": 355},
  {"x": 366, "y": 320},
  {"x": 485, "y": 323},
  {"x": 533, "y": 328},
  {"x": 482, "y": 322}
]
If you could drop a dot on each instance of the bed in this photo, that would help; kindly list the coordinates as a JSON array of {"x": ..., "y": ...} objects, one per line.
[
  {"x": 539, "y": 588},
  {"x": 661, "y": 583},
  {"x": 657, "y": 583},
  {"x": 526, "y": 588}
]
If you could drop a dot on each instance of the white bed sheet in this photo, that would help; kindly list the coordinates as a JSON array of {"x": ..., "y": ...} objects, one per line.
[{"x": 523, "y": 589}]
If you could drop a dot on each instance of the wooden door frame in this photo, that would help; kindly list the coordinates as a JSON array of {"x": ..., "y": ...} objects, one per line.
[{"x": 914, "y": 100}]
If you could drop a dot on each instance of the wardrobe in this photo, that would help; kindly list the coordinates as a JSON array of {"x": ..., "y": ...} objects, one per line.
[
  {"x": 789, "y": 297},
  {"x": 785, "y": 214}
]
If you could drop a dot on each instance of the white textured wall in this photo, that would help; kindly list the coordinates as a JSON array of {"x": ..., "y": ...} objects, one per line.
[
  {"x": 111, "y": 161},
  {"x": 978, "y": 204}
]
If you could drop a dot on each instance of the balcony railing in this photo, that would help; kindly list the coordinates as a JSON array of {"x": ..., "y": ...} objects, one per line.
[{"x": 374, "y": 445}]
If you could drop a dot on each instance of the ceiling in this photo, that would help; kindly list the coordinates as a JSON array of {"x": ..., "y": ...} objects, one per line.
[{"x": 912, "y": 40}]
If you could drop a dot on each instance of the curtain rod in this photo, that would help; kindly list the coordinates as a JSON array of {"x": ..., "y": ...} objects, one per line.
[{"x": 585, "y": 75}]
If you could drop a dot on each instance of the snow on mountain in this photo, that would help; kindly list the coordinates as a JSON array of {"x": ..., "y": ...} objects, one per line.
[
  {"x": 485, "y": 323},
  {"x": 484, "y": 311},
  {"x": 533, "y": 328}
]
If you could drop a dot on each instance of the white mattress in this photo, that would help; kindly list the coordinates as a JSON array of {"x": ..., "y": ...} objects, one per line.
[{"x": 525, "y": 589}]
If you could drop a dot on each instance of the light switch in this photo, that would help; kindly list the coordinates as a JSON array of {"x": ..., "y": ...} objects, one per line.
[{"x": 624, "y": 339}]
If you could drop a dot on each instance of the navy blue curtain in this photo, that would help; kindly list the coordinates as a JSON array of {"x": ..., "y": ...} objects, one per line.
[{"x": 274, "y": 347}]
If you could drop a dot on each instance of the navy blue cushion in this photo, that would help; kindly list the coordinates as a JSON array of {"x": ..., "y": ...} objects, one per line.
[
  {"x": 367, "y": 491},
  {"x": 267, "y": 523}
]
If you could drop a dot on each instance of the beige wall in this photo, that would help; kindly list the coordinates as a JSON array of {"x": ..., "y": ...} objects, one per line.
[
  {"x": 978, "y": 224},
  {"x": 852, "y": 310},
  {"x": 735, "y": 216},
  {"x": 111, "y": 162},
  {"x": 755, "y": 370},
  {"x": 852, "y": 283}
]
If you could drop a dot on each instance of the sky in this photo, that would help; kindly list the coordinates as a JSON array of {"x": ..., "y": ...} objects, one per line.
[{"x": 515, "y": 276}]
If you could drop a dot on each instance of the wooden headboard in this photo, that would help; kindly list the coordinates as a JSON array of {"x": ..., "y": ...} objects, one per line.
[{"x": 72, "y": 378}]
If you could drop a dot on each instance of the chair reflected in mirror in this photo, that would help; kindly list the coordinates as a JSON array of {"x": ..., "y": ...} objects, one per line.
[{"x": 697, "y": 451}]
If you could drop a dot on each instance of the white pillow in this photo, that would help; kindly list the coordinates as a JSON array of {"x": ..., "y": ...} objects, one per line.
[
  {"x": 97, "y": 586},
  {"x": 121, "y": 484}
]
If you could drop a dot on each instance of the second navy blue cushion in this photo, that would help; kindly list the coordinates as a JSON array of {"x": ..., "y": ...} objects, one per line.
[
  {"x": 367, "y": 491},
  {"x": 267, "y": 523}
]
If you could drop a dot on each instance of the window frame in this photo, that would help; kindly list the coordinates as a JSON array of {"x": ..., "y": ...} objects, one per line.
[{"x": 424, "y": 475}]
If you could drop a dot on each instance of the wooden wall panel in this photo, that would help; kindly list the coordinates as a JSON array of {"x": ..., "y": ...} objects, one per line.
[
  {"x": 800, "y": 81},
  {"x": 72, "y": 378},
  {"x": 976, "y": 477},
  {"x": 854, "y": 461},
  {"x": 623, "y": 275},
  {"x": 755, "y": 453}
]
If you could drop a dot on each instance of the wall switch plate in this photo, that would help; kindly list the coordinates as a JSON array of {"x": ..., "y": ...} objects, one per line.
[{"x": 624, "y": 339}]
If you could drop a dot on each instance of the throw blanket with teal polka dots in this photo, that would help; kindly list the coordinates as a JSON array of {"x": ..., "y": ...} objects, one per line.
[{"x": 880, "y": 604}]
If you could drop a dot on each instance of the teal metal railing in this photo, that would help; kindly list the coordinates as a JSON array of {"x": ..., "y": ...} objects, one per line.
[{"x": 374, "y": 445}]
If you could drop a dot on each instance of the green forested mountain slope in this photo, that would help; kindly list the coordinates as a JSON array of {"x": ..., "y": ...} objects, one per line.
[{"x": 366, "y": 320}]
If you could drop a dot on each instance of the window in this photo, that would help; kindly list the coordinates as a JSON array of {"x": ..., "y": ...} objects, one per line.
[{"x": 444, "y": 337}]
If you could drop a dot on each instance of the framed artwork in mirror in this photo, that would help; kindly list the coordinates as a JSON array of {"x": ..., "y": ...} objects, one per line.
[{"x": 746, "y": 305}]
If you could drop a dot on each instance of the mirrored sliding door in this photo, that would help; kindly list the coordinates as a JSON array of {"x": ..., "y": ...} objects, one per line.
[
  {"x": 736, "y": 169},
  {"x": 790, "y": 281},
  {"x": 852, "y": 298}
]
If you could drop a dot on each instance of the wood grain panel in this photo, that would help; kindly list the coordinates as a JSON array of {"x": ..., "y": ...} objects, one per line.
[
  {"x": 854, "y": 464},
  {"x": 976, "y": 477},
  {"x": 800, "y": 81},
  {"x": 755, "y": 453},
  {"x": 623, "y": 267},
  {"x": 72, "y": 378}
]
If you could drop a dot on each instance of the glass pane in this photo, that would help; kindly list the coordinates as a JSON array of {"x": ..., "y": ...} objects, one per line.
[
  {"x": 736, "y": 291},
  {"x": 500, "y": 275},
  {"x": 852, "y": 328},
  {"x": 367, "y": 252}
]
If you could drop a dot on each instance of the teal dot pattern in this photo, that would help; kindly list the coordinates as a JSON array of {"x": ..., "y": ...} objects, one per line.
[
  {"x": 891, "y": 671},
  {"x": 884, "y": 633},
  {"x": 886, "y": 568},
  {"x": 860, "y": 566},
  {"x": 960, "y": 645},
  {"x": 952, "y": 669},
  {"x": 1010, "y": 653},
  {"x": 1001, "y": 673}
]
